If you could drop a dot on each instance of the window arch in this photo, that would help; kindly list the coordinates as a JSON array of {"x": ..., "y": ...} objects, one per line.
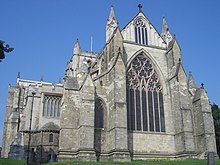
[
  {"x": 145, "y": 107},
  {"x": 45, "y": 107},
  {"x": 51, "y": 106},
  {"x": 140, "y": 32},
  {"x": 99, "y": 113}
]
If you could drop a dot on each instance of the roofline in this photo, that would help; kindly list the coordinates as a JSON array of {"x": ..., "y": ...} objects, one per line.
[{"x": 38, "y": 82}]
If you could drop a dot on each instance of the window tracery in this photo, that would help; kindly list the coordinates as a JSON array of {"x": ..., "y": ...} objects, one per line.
[
  {"x": 144, "y": 97},
  {"x": 51, "y": 106},
  {"x": 140, "y": 32}
]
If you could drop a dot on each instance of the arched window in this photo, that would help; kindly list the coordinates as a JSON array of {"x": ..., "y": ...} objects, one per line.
[
  {"x": 140, "y": 32},
  {"x": 145, "y": 107},
  {"x": 45, "y": 106},
  {"x": 51, "y": 106},
  {"x": 55, "y": 107},
  {"x": 51, "y": 138},
  {"x": 58, "y": 109},
  {"x": 99, "y": 113}
]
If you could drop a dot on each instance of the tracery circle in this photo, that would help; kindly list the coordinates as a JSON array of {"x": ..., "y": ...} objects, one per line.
[{"x": 142, "y": 74}]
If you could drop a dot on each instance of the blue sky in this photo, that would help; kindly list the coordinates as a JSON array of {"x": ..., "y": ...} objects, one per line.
[{"x": 43, "y": 34}]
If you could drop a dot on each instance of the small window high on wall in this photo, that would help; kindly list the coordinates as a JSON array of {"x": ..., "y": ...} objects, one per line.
[
  {"x": 140, "y": 32},
  {"x": 51, "y": 138}
]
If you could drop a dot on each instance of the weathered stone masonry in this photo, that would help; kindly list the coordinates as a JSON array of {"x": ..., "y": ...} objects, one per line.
[{"x": 131, "y": 101}]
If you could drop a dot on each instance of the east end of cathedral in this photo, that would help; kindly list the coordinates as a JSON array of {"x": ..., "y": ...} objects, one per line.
[{"x": 131, "y": 101}]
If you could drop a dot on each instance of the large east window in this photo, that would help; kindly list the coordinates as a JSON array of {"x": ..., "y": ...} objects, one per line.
[{"x": 145, "y": 108}]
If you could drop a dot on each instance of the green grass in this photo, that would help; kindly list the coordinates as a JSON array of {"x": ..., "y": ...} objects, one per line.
[
  {"x": 148, "y": 162},
  {"x": 11, "y": 162}
]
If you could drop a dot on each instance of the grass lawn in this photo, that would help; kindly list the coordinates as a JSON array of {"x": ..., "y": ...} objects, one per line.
[
  {"x": 11, "y": 162},
  {"x": 149, "y": 162}
]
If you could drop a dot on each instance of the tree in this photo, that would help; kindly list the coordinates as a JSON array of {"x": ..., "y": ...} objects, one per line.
[
  {"x": 4, "y": 49},
  {"x": 216, "y": 118}
]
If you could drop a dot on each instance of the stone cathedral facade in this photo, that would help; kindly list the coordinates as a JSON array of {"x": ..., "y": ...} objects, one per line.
[{"x": 131, "y": 101}]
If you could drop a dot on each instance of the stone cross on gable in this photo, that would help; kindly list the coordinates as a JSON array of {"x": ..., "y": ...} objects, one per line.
[{"x": 140, "y": 7}]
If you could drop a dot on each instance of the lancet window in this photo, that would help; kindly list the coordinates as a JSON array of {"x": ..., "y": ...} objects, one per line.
[
  {"x": 51, "y": 106},
  {"x": 140, "y": 32},
  {"x": 51, "y": 137},
  {"x": 99, "y": 113},
  {"x": 145, "y": 108}
]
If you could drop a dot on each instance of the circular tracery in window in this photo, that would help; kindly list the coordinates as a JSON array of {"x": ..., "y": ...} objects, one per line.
[
  {"x": 139, "y": 22},
  {"x": 141, "y": 74}
]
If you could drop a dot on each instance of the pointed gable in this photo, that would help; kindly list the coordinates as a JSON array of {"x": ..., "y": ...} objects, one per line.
[{"x": 140, "y": 30}]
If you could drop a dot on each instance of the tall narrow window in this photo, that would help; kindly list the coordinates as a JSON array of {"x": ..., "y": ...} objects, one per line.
[
  {"x": 136, "y": 34},
  {"x": 51, "y": 138},
  {"x": 144, "y": 97},
  {"x": 45, "y": 106},
  {"x": 140, "y": 32},
  {"x": 58, "y": 110},
  {"x": 99, "y": 113}
]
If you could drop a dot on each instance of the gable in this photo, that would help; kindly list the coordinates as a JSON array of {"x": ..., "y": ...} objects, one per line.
[{"x": 140, "y": 28}]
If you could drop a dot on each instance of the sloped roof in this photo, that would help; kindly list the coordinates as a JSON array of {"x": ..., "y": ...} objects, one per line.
[{"x": 50, "y": 126}]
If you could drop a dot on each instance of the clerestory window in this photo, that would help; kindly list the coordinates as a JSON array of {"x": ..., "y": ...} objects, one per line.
[
  {"x": 140, "y": 32},
  {"x": 145, "y": 108},
  {"x": 51, "y": 106}
]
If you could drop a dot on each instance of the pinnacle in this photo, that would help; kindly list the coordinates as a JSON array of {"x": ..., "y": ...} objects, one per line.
[
  {"x": 112, "y": 14},
  {"x": 165, "y": 26},
  {"x": 76, "y": 47}
]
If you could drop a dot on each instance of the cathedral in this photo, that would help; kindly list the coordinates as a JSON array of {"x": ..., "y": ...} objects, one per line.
[{"x": 131, "y": 101}]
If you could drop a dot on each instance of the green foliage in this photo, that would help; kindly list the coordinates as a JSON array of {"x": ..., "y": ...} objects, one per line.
[
  {"x": 11, "y": 162},
  {"x": 216, "y": 118},
  {"x": 4, "y": 49}
]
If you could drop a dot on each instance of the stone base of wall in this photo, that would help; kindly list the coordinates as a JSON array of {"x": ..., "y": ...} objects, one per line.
[
  {"x": 205, "y": 154},
  {"x": 115, "y": 156},
  {"x": 145, "y": 156},
  {"x": 79, "y": 155}
]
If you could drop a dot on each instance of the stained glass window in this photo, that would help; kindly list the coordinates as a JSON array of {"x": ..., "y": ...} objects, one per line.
[{"x": 145, "y": 109}]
